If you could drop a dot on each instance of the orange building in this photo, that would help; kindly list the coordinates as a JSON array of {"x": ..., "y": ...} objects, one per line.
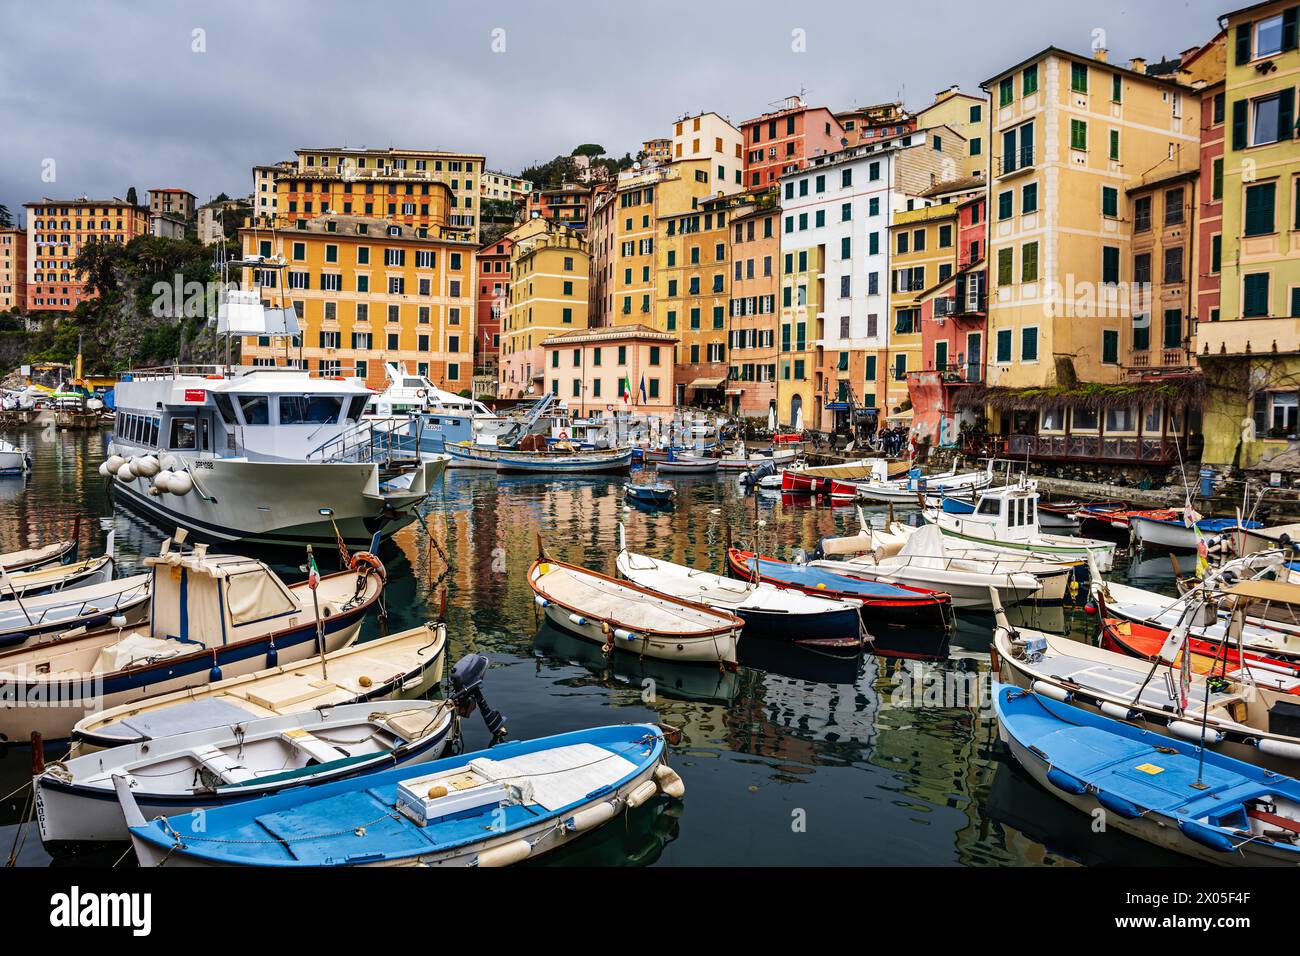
[
  {"x": 785, "y": 140},
  {"x": 620, "y": 368},
  {"x": 493, "y": 296},
  {"x": 755, "y": 281},
  {"x": 57, "y": 230}
]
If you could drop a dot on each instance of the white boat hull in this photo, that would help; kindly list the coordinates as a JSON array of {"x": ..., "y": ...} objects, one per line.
[
  {"x": 1163, "y": 534},
  {"x": 967, "y": 589},
  {"x": 694, "y": 650}
]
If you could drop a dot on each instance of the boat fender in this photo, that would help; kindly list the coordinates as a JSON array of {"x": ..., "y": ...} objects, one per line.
[
  {"x": 1118, "y": 805},
  {"x": 1117, "y": 711},
  {"x": 272, "y": 656},
  {"x": 1052, "y": 691},
  {"x": 180, "y": 484},
  {"x": 1278, "y": 748},
  {"x": 1205, "y": 835},
  {"x": 1191, "y": 730},
  {"x": 578, "y": 619},
  {"x": 161, "y": 483},
  {"x": 214, "y": 673},
  {"x": 114, "y": 462},
  {"x": 505, "y": 854},
  {"x": 624, "y": 635},
  {"x": 365, "y": 681},
  {"x": 642, "y": 793},
  {"x": 670, "y": 782},
  {"x": 103, "y": 469},
  {"x": 118, "y": 621},
  {"x": 591, "y": 817},
  {"x": 1065, "y": 782},
  {"x": 125, "y": 473},
  {"x": 541, "y": 601},
  {"x": 147, "y": 467}
]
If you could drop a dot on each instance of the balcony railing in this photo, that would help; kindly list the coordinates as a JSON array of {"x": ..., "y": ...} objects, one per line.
[
  {"x": 1021, "y": 158},
  {"x": 950, "y": 305},
  {"x": 1092, "y": 448},
  {"x": 1160, "y": 358}
]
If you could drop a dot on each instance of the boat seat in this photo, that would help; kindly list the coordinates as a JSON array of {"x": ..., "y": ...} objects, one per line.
[
  {"x": 221, "y": 763},
  {"x": 313, "y": 746},
  {"x": 1272, "y": 819},
  {"x": 411, "y": 724}
]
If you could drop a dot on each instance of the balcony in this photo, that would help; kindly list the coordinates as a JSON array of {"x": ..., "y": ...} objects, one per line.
[
  {"x": 951, "y": 307},
  {"x": 1019, "y": 161},
  {"x": 1093, "y": 448},
  {"x": 1153, "y": 359}
]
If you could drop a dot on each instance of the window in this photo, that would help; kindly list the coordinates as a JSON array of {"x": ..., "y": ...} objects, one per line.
[
  {"x": 1029, "y": 344},
  {"x": 1142, "y": 268},
  {"x": 1004, "y": 345},
  {"x": 1268, "y": 111},
  {"x": 1141, "y": 332},
  {"x": 1116, "y": 88},
  {"x": 1079, "y": 77},
  {"x": 1174, "y": 265},
  {"x": 1110, "y": 202},
  {"x": 1269, "y": 34},
  {"x": 1109, "y": 348},
  {"x": 1006, "y": 92},
  {"x": 1254, "y": 299},
  {"x": 1284, "y": 413},
  {"x": 1173, "y": 207},
  {"x": 1260, "y": 199},
  {"x": 1173, "y": 328},
  {"x": 1005, "y": 261},
  {"x": 1029, "y": 262},
  {"x": 1216, "y": 254},
  {"x": 1114, "y": 145},
  {"x": 1110, "y": 264},
  {"x": 1006, "y": 203},
  {"x": 1142, "y": 214},
  {"x": 1030, "y": 80},
  {"x": 1028, "y": 198},
  {"x": 1078, "y": 134},
  {"x": 1216, "y": 180}
]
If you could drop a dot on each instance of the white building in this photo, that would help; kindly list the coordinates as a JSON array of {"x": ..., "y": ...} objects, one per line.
[{"x": 710, "y": 136}]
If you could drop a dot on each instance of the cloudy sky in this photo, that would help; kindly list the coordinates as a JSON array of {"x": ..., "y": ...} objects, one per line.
[{"x": 117, "y": 94}]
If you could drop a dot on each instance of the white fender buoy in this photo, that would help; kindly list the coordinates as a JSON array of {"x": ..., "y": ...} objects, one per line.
[
  {"x": 1278, "y": 748},
  {"x": 624, "y": 635},
  {"x": 541, "y": 601},
  {"x": 125, "y": 474},
  {"x": 161, "y": 483},
  {"x": 505, "y": 854},
  {"x": 578, "y": 619},
  {"x": 103, "y": 469},
  {"x": 114, "y": 462},
  {"x": 590, "y": 817},
  {"x": 180, "y": 483},
  {"x": 147, "y": 467},
  {"x": 670, "y": 782},
  {"x": 1118, "y": 711},
  {"x": 1052, "y": 691},
  {"x": 642, "y": 793},
  {"x": 1192, "y": 731}
]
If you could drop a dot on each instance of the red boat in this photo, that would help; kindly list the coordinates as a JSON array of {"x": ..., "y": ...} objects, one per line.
[
  {"x": 1144, "y": 641},
  {"x": 801, "y": 483},
  {"x": 1119, "y": 517},
  {"x": 792, "y": 438}
]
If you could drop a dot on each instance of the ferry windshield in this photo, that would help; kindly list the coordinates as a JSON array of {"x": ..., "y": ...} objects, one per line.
[
  {"x": 309, "y": 409},
  {"x": 256, "y": 409}
]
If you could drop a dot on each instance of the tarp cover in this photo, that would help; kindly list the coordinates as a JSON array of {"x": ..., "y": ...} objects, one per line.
[
  {"x": 925, "y": 547},
  {"x": 255, "y": 595}
]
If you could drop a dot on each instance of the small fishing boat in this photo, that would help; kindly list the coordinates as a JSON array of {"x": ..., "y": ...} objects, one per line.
[
  {"x": 744, "y": 459},
  {"x": 1146, "y": 642},
  {"x": 209, "y": 615},
  {"x": 864, "y": 469},
  {"x": 513, "y": 461},
  {"x": 1250, "y": 540},
  {"x": 406, "y": 664},
  {"x": 620, "y": 615},
  {"x": 13, "y": 460},
  {"x": 48, "y": 616},
  {"x": 1007, "y": 517},
  {"x": 687, "y": 466},
  {"x": 1237, "y": 716},
  {"x": 29, "y": 559},
  {"x": 910, "y": 490},
  {"x": 53, "y": 578},
  {"x": 1165, "y": 791},
  {"x": 1059, "y": 517},
  {"x": 495, "y": 807},
  {"x": 771, "y": 612},
  {"x": 656, "y": 494},
  {"x": 1175, "y": 533},
  {"x": 922, "y": 562},
  {"x": 881, "y": 603},
  {"x": 1116, "y": 515},
  {"x": 800, "y": 482},
  {"x": 234, "y": 762}
]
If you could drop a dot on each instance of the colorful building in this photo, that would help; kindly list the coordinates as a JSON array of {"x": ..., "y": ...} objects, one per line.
[
  {"x": 57, "y": 230},
  {"x": 786, "y": 139},
  {"x": 504, "y": 187},
  {"x": 177, "y": 203},
  {"x": 867, "y": 124},
  {"x": 367, "y": 291},
  {"x": 493, "y": 265},
  {"x": 966, "y": 114},
  {"x": 568, "y": 204},
  {"x": 13, "y": 270},
  {"x": 709, "y": 137},
  {"x": 1070, "y": 136},
  {"x": 548, "y": 295},
  {"x": 657, "y": 150},
  {"x": 598, "y": 372},
  {"x": 755, "y": 285},
  {"x": 1251, "y": 356}
]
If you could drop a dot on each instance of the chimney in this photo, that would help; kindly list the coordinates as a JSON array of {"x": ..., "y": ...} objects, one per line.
[
  {"x": 1138, "y": 64},
  {"x": 1099, "y": 54}
]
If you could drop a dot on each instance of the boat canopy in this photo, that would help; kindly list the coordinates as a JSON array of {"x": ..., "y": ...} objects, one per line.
[
  {"x": 201, "y": 597},
  {"x": 1275, "y": 592}
]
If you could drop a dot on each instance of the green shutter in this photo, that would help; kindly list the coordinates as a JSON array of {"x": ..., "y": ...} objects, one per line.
[
  {"x": 1110, "y": 347},
  {"x": 1286, "y": 113},
  {"x": 1240, "y": 108},
  {"x": 1260, "y": 200},
  {"x": 1243, "y": 43},
  {"x": 1004, "y": 266},
  {"x": 1289, "y": 28},
  {"x": 1216, "y": 190},
  {"x": 1173, "y": 328},
  {"x": 1255, "y": 295},
  {"x": 1029, "y": 262},
  {"x": 1116, "y": 88},
  {"x": 1141, "y": 333},
  {"x": 1004, "y": 345},
  {"x": 1216, "y": 254}
]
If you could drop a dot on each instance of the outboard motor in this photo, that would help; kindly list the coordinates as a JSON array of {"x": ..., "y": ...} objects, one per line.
[
  {"x": 467, "y": 692},
  {"x": 751, "y": 477}
]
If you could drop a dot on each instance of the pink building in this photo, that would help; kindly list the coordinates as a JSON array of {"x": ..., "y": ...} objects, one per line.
[
  {"x": 627, "y": 368},
  {"x": 1209, "y": 224},
  {"x": 785, "y": 140}
]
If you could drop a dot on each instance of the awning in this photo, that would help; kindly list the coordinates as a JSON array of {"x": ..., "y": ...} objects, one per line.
[
  {"x": 903, "y": 416},
  {"x": 1277, "y": 592},
  {"x": 708, "y": 382}
]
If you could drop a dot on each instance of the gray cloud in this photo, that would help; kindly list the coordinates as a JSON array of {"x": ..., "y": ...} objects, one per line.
[{"x": 114, "y": 94}]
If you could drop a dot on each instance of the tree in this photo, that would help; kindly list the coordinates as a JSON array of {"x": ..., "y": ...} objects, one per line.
[
  {"x": 6, "y": 219},
  {"x": 130, "y": 196},
  {"x": 588, "y": 149}
]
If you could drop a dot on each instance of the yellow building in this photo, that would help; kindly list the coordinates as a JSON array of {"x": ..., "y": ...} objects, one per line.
[
  {"x": 367, "y": 292},
  {"x": 1251, "y": 357},
  {"x": 923, "y": 254},
  {"x": 966, "y": 114},
  {"x": 549, "y": 276},
  {"x": 1069, "y": 136},
  {"x": 429, "y": 190}
]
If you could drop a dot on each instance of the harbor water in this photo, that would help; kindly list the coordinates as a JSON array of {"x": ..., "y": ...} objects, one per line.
[{"x": 797, "y": 758}]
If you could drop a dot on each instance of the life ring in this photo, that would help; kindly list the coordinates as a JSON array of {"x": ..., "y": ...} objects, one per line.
[
  {"x": 420, "y": 393},
  {"x": 564, "y": 436},
  {"x": 364, "y": 562}
]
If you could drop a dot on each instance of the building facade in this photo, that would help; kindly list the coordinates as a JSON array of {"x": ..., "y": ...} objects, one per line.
[
  {"x": 786, "y": 139},
  {"x": 568, "y": 204},
  {"x": 367, "y": 292},
  {"x": 57, "y": 231},
  {"x": 964, "y": 113},
  {"x": 177, "y": 203},
  {"x": 493, "y": 266},
  {"x": 548, "y": 295},
  {"x": 709, "y": 137},
  {"x": 13, "y": 270},
  {"x": 755, "y": 285},
  {"x": 504, "y": 187},
  {"x": 599, "y": 372}
]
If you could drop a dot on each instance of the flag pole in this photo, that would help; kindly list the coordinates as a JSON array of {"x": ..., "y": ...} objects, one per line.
[{"x": 313, "y": 579}]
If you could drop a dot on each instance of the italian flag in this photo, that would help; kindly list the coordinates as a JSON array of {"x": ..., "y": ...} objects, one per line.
[
  {"x": 625, "y": 389},
  {"x": 313, "y": 573}
]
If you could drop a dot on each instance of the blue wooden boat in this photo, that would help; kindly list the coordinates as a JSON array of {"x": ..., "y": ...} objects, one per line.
[
  {"x": 513, "y": 802},
  {"x": 656, "y": 494},
  {"x": 1176, "y": 534},
  {"x": 1159, "y": 789}
]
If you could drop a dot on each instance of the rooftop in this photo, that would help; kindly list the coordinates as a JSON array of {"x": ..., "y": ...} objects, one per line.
[{"x": 609, "y": 333}]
